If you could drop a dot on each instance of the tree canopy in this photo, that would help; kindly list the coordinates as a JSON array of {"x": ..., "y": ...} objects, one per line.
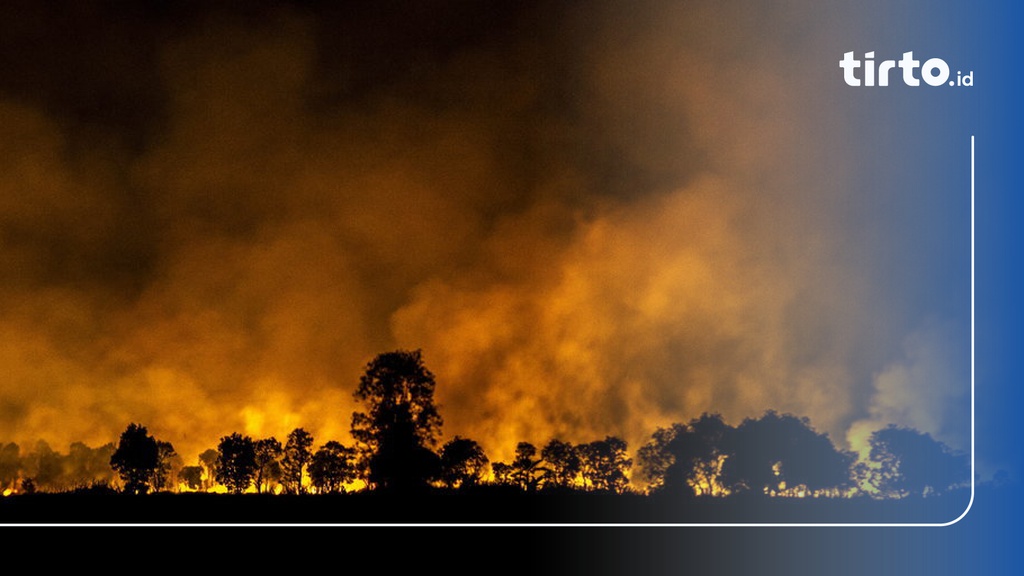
[
  {"x": 606, "y": 464},
  {"x": 236, "y": 462},
  {"x": 400, "y": 425},
  {"x": 297, "y": 455},
  {"x": 913, "y": 463},
  {"x": 332, "y": 467},
  {"x": 136, "y": 459},
  {"x": 781, "y": 451},
  {"x": 397, "y": 431},
  {"x": 268, "y": 462},
  {"x": 463, "y": 463},
  {"x": 564, "y": 464}
]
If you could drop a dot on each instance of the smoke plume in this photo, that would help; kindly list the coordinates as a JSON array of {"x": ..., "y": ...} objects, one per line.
[{"x": 593, "y": 218}]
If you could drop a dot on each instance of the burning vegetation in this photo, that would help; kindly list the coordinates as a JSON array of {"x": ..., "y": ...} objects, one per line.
[{"x": 397, "y": 448}]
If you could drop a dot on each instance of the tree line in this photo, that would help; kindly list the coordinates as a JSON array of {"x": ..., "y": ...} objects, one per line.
[{"x": 397, "y": 448}]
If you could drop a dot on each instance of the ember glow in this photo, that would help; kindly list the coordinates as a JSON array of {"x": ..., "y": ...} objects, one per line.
[{"x": 593, "y": 218}]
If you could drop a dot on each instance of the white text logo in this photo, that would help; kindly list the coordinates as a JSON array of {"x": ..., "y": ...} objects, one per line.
[{"x": 934, "y": 71}]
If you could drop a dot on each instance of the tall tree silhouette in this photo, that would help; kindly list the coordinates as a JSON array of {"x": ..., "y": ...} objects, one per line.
[
  {"x": 779, "y": 452},
  {"x": 400, "y": 426},
  {"x": 298, "y": 451},
  {"x": 564, "y": 462},
  {"x": 268, "y": 462},
  {"x": 236, "y": 462},
  {"x": 463, "y": 463},
  {"x": 332, "y": 466},
  {"x": 910, "y": 462}
]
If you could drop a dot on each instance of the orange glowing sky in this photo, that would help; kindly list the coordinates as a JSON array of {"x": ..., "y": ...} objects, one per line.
[{"x": 594, "y": 218}]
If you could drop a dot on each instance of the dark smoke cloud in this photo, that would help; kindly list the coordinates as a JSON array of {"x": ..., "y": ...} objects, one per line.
[{"x": 595, "y": 218}]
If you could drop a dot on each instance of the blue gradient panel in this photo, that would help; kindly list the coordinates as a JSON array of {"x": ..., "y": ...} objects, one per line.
[
  {"x": 913, "y": 144},
  {"x": 918, "y": 141}
]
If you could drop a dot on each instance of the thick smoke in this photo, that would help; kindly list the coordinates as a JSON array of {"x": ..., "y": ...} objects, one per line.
[{"x": 593, "y": 218}]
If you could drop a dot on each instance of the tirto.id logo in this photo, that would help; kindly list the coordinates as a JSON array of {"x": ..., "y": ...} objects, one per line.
[{"x": 934, "y": 71}]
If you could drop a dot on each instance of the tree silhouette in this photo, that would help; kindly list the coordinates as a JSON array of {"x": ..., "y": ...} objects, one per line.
[
  {"x": 268, "y": 462},
  {"x": 191, "y": 476},
  {"x": 166, "y": 457},
  {"x": 208, "y": 460},
  {"x": 10, "y": 466},
  {"x": 778, "y": 452},
  {"x": 913, "y": 463},
  {"x": 51, "y": 471},
  {"x": 77, "y": 467},
  {"x": 136, "y": 459},
  {"x": 655, "y": 457},
  {"x": 502, "y": 473},
  {"x": 45, "y": 466},
  {"x": 527, "y": 473},
  {"x": 297, "y": 455},
  {"x": 396, "y": 433},
  {"x": 605, "y": 464},
  {"x": 463, "y": 463},
  {"x": 697, "y": 453},
  {"x": 86, "y": 466},
  {"x": 236, "y": 462},
  {"x": 332, "y": 466},
  {"x": 564, "y": 460}
]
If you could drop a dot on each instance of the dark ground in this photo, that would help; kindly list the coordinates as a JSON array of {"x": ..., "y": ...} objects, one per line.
[
  {"x": 221, "y": 534},
  {"x": 486, "y": 505}
]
